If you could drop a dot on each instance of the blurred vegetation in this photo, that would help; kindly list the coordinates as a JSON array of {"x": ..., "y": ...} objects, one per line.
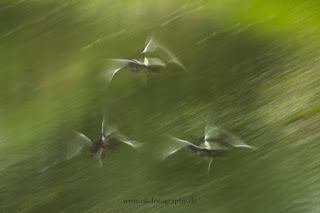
[{"x": 253, "y": 69}]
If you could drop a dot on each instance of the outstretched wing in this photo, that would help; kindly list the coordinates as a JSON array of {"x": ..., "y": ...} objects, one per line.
[
  {"x": 211, "y": 132},
  {"x": 76, "y": 145},
  {"x": 115, "y": 66},
  {"x": 174, "y": 145},
  {"x": 84, "y": 138},
  {"x": 154, "y": 62},
  {"x": 234, "y": 140},
  {"x": 124, "y": 139},
  {"x": 110, "y": 130},
  {"x": 152, "y": 45},
  {"x": 106, "y": 130},
  {"x": 103, "y": 126}
]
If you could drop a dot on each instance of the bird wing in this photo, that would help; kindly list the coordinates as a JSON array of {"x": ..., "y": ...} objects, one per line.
[
  {"x": 234, "y": 140},
  {"x": 154, "y": 62},
  {"x": 186, "y": 143},
  {"x": 103, "y": 126},
  {"x": 174, "y": 145},
  {"x": 173, "y": 59},
  {"x": 115, "y": 66},
  {"x": 211, "y": 132},
  {"x": 106, "y": 130},
  {"x": 134, "y": 144},
  {"x": 124, "y": 139},
  {"x": 83, "y": 138},
  {"x": 152, "y": 45},
  {"x": 75, "y": 146}
]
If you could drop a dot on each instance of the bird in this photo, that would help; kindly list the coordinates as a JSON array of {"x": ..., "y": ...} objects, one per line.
[
  {"x": 147, "y": 64},
  {"x": 105, "y": 142},
  {"x": 208, "y": 146},
  {"x": 143, "y": 63}
]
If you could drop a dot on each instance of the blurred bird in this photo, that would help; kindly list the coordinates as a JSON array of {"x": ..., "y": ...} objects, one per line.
[
  {"x": 104, "y": 143},
  {"x": 208, "y": 146},
  {"x": 135, "y": 65},
  {"x": 145, "y": 64}
]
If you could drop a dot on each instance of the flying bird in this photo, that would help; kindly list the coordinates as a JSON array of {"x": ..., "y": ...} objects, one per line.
[
  {"x": 199, "y": 148},
  {"x": 108, "y": 140},
  {"x": 148, "y": 64},
  {"x": 210, "y": 145},
  {"x": 161, "y": 56},
  {"x": 105, "y": 142}
]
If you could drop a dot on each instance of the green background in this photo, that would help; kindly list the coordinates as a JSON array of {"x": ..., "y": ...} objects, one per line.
[{"x": 253, "y": 69}]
